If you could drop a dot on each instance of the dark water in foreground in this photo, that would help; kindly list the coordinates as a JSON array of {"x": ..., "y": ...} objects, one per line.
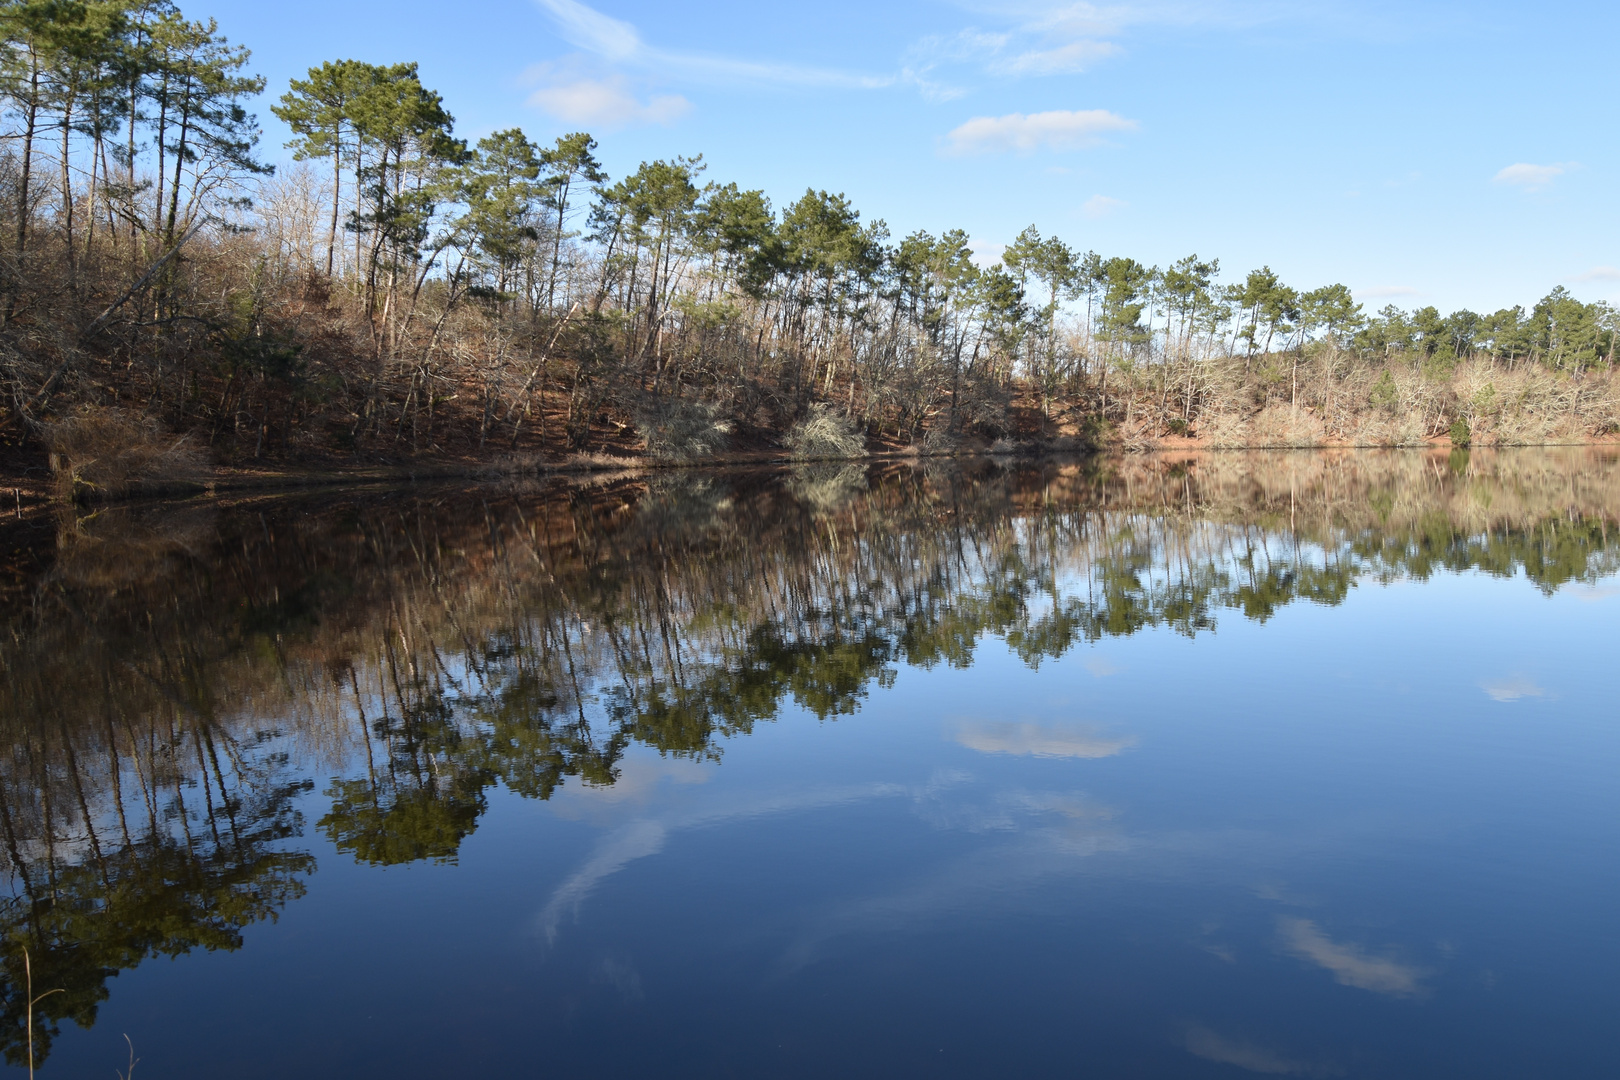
[{"x": 1289, "y": 765}]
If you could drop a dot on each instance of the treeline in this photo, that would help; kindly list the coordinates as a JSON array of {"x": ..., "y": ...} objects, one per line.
[{"x": 405, "y": 291}]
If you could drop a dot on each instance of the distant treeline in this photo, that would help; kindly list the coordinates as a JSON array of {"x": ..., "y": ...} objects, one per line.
[{"x": 401, "y": 291}]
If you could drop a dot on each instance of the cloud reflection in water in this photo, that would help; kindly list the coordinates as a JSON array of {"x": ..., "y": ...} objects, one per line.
[
  {"x": 1041, "y": 740},
  {"x": 1350, "y": 965}
]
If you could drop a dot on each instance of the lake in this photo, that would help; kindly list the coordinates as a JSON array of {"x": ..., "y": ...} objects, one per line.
[{"x": 1289, "y": 764}]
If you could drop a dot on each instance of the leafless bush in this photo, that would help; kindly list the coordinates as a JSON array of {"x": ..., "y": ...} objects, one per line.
[
  {"x": 825, "y": 486},
  {"x": 107, "y": 453},
  {"x": 825, "y": 433},
  {"x": 678, "y": 429},
  {"x": 291, "y": 210},
  {"x": 985, "y": 408},
  {"x": 682, "y": 505},
  {"x": 131, "y": 545},
  {"x": 1139, "y": 434},
  {"x": 939, "y": 442},
  {"x": 1223, "y": 429},
  {"x": 1281, "y": 425}
]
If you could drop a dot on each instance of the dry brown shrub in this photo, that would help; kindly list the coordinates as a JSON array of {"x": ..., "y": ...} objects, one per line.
[
  {"x": 119, "y": 548},
  {"x": 679, "y": 430},
  {"x": 827, "y": 485},
  {"x": 939, "y": 442},
  {"x": 1379, "y": 428},
  {"x": 1139, "y": 435},
  {"x": 107, "y": 453},
  {"x": 825, "y": 434},
  {"x": 1223, "y": 429},
  {"x": 1282, "y": 425}
]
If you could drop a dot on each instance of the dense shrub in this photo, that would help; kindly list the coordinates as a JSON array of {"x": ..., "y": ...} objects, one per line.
[
  {"x": 681, "y": 430},
  {"x": 108, "y": 453},
  {"x": 825, "y": 433}
]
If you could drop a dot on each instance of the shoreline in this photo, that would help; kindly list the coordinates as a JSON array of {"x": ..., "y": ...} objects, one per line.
[{"x": 21, "y": 495}]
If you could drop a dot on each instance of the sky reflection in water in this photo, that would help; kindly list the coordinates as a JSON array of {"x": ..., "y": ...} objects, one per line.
[{"x": 1292, "y": 764}]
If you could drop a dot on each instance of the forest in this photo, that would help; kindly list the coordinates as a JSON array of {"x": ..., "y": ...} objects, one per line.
[{"x": 171, "y": 304}]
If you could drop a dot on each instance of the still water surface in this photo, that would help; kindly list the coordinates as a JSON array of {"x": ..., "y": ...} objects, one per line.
[{"x": 1289, "y": 765}]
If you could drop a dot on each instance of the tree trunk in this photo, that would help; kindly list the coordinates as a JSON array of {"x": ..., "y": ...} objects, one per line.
[
  {"x": 179, "y": 162},
  {"x": 337, "y": 188},
  {"x": 67, "y": 191},
  {"x": 30, "y": 120}
]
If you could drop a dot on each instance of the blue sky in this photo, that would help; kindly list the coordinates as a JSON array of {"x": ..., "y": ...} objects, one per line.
[{"x": 1422, "y": 153}]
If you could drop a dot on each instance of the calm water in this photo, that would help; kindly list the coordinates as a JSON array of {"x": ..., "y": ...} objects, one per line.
[{"x": 1278, "y": 764}]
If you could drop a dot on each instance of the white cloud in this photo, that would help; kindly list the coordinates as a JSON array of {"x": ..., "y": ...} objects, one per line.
[
  {"x": 607, "y": 103},
  {"x": 1511, "y": 689},
  {"x": 1073, "y": 57},
  {"x": 1056, "y": 130},
  {"x": 644, "y": 837},
  {"x": 1061, "y": 37},
  {"x": 1099, "y": 206},
  {"x": 1058, "y": 41},
  {"x": 1599, "y": 273},
  {"x": 637, "y": 841},
  {"x": 639, "y": 780},
  {"x": 1350, "y": 965},
  {"x": 619, "y": 42},
  {"x": 1039, "y": 740},
  {"x": 1204, "y": 1043},
  {"x": 985, "y": 253},
  {"x": 588, "y": 29},
  {"x": 1531, "y": 177},
  {"x": 1387, "y": 292}
]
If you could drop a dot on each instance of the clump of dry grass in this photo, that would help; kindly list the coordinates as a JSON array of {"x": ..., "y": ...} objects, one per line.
[
  {"x": 825, "y": 434},
  {"x": 939, "y": 442},
  {"x": 825, "y": 486},
  {"x": 681, "y": 430},
  {"x": 107, "y": 453},
  {"x": 120, "y": 547},
  {"x": 1005, "y": 447}
]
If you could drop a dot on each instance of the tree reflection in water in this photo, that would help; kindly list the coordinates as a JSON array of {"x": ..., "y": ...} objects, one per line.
[{"x": 177, "y": 679}]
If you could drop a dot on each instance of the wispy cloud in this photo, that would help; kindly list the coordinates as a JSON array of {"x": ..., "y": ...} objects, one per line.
[
  {"x": 1101, "y": 666},
  {"x": 1056, "y": 130},
  {"x": 619, "y": 42},
  {"x": 1032, "y": 40},
  {"x": 1065, "y": 38},
  {"x": 1061, "y": 39},
  {"x": 1531, "y": 177},
  {"x": 1100, "y": 206},
  {"x": 1040, "y": 740},
  {"x": 1387, "y": 292},
  {"x": 1349, "y": 964},
  {"x": 606, "y": 103},
  {"x": 1075, "y": 56},
  {"x": 1599, "y": 273},
  {"x": 1068, "y": 37},
  {"x": 1204, "y": 1043},
  {"x": 586, "y": 28},
  {"x": 646, "y": 836},
  {"x": 1511, "y": 689},
  {"x": 636, "y": 841}
]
